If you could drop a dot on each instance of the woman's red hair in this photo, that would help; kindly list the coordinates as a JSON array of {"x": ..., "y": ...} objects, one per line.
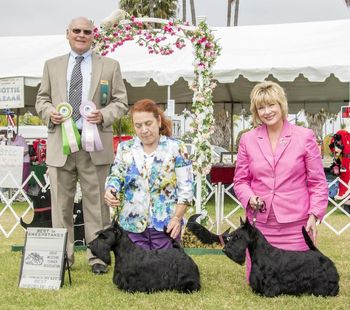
[{"x": 148, "y": 105}]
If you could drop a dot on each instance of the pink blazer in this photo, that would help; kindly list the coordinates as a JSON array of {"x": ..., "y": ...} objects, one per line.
[{"x": 292, "y": 181}]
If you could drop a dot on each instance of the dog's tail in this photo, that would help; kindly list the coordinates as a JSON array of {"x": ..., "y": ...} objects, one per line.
[
  {"x": 193, "y": 218},
  {"x": 23, "y": 224},
  {"x": 202, "y": 233},
  {"x": 308, "y": 240}
]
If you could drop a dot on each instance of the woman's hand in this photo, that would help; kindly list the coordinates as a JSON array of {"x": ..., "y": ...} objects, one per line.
[
  {"x": 254, "y": 202},
  {"x": 174, "y": 227},
  {"x": 311, "y": 227},
  {"x": 111, "y": 199}
]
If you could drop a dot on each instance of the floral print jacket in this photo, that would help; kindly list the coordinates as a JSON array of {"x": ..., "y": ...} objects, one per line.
[{"x": 151, "y": 195}]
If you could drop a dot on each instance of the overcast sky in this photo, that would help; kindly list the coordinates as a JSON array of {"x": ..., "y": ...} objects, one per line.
[{"x": 43, "y": 17}]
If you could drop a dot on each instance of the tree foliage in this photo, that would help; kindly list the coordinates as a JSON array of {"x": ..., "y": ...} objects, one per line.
[
  {"x": 165, "y": 9},
  {"x": 123, "y": 126}
]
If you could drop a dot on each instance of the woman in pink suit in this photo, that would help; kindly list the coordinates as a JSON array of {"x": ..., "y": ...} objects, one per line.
[{"x": 280, "y": 164}]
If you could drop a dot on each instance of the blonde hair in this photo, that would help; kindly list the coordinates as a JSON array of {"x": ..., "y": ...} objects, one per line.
[{"x": 264, "y": 93}]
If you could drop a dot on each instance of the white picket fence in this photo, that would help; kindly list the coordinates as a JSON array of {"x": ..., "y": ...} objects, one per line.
[{"x": 222, "y": 194}]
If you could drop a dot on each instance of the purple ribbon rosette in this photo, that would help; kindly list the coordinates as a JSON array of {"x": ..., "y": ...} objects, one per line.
[{"x": 90, "y": 138}]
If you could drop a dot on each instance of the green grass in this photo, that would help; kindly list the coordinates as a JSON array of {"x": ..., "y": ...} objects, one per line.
[{"x": 223, "y": 283}]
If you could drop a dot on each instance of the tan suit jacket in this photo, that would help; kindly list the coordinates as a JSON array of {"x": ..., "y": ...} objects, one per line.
[{"x": 53, "y": 90}]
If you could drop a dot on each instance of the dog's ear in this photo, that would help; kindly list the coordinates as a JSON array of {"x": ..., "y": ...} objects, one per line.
[
  {"x": 227, "y": 231},
  {"x": 226, "y": 235},
  {"x": 247, "y": 224},
  {"x": 99, "y": 233},
  {"x": 115, "y": 224}
]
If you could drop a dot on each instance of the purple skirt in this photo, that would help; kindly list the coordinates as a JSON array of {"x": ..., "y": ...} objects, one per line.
[{"x": 152, "y": 239}]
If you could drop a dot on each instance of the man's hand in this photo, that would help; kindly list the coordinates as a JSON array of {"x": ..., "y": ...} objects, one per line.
[
  {"x": 56, "y": 118},
  {"x": 95, "y": 117}
]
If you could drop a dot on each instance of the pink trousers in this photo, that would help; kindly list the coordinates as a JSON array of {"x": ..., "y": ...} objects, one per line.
[{"x": 286, "y": 236}]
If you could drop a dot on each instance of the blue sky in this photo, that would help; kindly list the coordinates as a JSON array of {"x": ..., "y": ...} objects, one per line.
[{"x": 39, "y": 17}]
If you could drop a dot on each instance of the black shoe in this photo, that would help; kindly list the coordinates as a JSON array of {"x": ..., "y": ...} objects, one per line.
[{"x": 99, "y": 268}]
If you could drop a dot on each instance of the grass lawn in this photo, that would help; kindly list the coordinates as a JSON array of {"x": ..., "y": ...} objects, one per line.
[{"x": 223, "y": 283}]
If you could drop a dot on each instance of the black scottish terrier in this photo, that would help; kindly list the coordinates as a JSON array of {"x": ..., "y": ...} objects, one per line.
[
  {"x": 203, "y": 234},
  {"x": 275, "y": 271},
  {"x": 42, "y": 210},
  {"x": 139, "y": 270}
]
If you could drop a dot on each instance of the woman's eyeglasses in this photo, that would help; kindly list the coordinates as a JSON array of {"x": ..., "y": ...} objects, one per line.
[{"x": 87, "y": 32}]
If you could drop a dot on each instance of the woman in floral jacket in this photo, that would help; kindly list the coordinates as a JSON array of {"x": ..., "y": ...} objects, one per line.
[{"x": 154, "y": 174}]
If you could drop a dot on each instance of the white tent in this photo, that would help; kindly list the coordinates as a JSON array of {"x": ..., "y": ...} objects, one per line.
[{"x": 310, "y": 60}]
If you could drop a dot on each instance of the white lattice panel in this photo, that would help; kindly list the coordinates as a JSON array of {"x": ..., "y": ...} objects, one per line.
[
  {"x": 8, "y": 202},
  {"x": 337, "y": 205}
]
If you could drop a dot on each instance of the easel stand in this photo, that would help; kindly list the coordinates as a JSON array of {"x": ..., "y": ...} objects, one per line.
[
  {"x": 67, "y": 268},
  {"x": 44, "y": 259}
]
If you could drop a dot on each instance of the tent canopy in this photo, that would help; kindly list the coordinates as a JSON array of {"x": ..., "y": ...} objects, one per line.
[{"x": 310, "y": 60}]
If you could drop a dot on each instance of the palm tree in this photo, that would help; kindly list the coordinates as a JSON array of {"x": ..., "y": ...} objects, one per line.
[
  {"x": 229, "y": 9},
  {"x": 235, "y": 21},
  {"x": 184, "y": 11},
  {"x": 222, "y": 131},
  {"x": 229, "y": 12},
  {"x": 193, "y": 12},
  {"x": 151, "y": 8}
]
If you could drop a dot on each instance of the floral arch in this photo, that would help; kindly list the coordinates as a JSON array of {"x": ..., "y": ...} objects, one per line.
[{"x": 170, "y": 36}]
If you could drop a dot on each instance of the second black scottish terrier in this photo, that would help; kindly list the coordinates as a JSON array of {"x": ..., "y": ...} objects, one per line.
[
  {"x": 139, "y": 270},
  {"x": 42, "y": 210},
  {"x": 275, "y": 271}
]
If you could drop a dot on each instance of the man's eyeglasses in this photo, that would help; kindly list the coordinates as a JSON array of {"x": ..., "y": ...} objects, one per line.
[{"x": 87, "y": 32}]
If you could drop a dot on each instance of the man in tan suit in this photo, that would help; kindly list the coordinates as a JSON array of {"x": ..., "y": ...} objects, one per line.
[{"x": 101, "y": 83}]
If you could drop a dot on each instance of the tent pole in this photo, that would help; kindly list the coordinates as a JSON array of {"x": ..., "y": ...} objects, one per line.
[
  {"x": 232, "y": 132},
  {"x": 198, "y": 193},
  {"x": 17, "y": 112}
]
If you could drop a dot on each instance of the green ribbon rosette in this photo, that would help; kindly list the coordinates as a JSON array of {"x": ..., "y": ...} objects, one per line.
[{"x": 70, "y": 134}]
